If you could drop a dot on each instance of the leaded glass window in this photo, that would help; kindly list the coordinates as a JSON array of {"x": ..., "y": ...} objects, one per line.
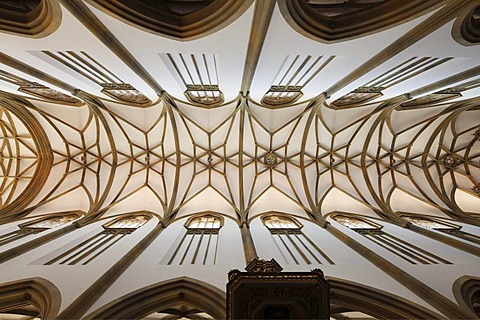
[
  {"x": 37, "y": 226},
  {"x": 391, "y": 243},
  {"x": 91, "y": 248},
  {"x": 293, "y": 244},
  {"x": 444, "y": 227},
  {"x": 199, "y": 244}
]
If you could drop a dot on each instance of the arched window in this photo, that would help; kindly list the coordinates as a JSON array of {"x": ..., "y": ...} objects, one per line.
[
  {"x": 295, "y": 247},
  {"x": 92, "y": 247},
  {"x": 278, "y": 223},
  {"x": 199, "y": 243},
  {"x": 204, "y": 223},
  {"x": 198, "y": 74},
  {"x": 373, "y": 89},
  {"x": 356, "y": 224},
  {"x": 294, "y": 74},
  {"x": 444, "y": 227},
  {"x": 96, "y": 73},
  {"x": 391, "y": 243},
  {"x": 37, "y": 226},
  {"x": 129, "y": 224}
]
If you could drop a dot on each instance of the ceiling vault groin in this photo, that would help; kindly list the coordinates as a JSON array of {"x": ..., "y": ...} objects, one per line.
[
  {"x": 310, "y": 200},
  {"x": 318, "y": 157}
]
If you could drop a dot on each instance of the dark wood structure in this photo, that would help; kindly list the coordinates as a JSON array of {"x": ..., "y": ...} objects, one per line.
[{"x": 264, "y": 292}]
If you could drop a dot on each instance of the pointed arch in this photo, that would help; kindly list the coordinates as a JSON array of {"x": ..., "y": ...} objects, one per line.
[
  {"x": 466, "y": 290},
  {"x": 316, "y": 21},
  {"x": 38, "y": 292},
  {"x": 165, "y": 295},
  {"x": 33, "y": 18},
  {"x": 466, "y": 29},
  {"x": 160, "y": 18},
  {"x": 351, "y": 296}
]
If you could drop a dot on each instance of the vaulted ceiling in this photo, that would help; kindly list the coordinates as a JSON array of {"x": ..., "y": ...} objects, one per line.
[{"x": 240, "y": 107}]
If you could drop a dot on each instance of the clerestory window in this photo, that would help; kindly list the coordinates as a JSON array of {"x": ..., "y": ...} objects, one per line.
[
  {"x": 37, "y": 226},
  {"x": 91, "y": 248},
  {"x": 391, "y": 243},
  {"x": 444, "y": 227},
  {"x": 294, "y": 245},
  {"x": 199, "y": 242}
]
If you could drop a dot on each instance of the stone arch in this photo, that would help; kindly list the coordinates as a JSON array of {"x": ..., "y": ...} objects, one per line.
[
  {"x": 311, "y": 22},
  {"x": 159, "y": 18},
  {"x": 31, "y": 18},
  {"x": 38, "y": 292},
  {"x": 466, "y": 290},
  {"x": 19, "y": 108},
  {"x": 466, "y": 29},
  {"x": 165, "y": 295},
  {"x": 347, "y": 295}
]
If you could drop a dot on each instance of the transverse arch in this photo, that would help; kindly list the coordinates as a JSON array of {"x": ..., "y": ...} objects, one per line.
[
  {"x": 182, "y": 291},
  {"x": 40, "y": 293}
]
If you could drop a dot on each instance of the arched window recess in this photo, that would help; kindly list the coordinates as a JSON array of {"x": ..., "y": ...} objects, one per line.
[
  {"x": 198, "y": 74},
  {"x": 441, "y": 226},
  {"x": 92, "y": 247},
  {"x": 280, "y": 224},
  {"x": 293, "y": 244},
  {"x": 208, "y": 223},
  {"x": 401, "y": 248},
  {"x": 126, "y": 224},
  {"x": 199, "y": 242},
  {"x": 41, "y": 224}
]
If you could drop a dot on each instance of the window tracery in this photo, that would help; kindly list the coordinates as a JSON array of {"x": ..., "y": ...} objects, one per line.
[
  {"x": 292, "y": 243},
  {"x": 37, "y": 226},
  {"x": 93, "y": 71},
  {"x": 198, "y": 74},
  {"x": 129, "y": 223},
  {"x": 355, "y": 224},
  {"x": 441, "y": 96},
  {"x": 38, "y": 90},
  {"x": 294, "y": 74},
  {"x": 444, "y": 227},
  {"x": 199, "y": 243},
  {"x": 401, "y": 248},
  {"x": 89, "y": 249},
  {"x": 373, "y": 89}
]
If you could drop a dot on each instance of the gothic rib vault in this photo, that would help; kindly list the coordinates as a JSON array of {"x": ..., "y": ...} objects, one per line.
[{"x": 155, "y": 146}]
